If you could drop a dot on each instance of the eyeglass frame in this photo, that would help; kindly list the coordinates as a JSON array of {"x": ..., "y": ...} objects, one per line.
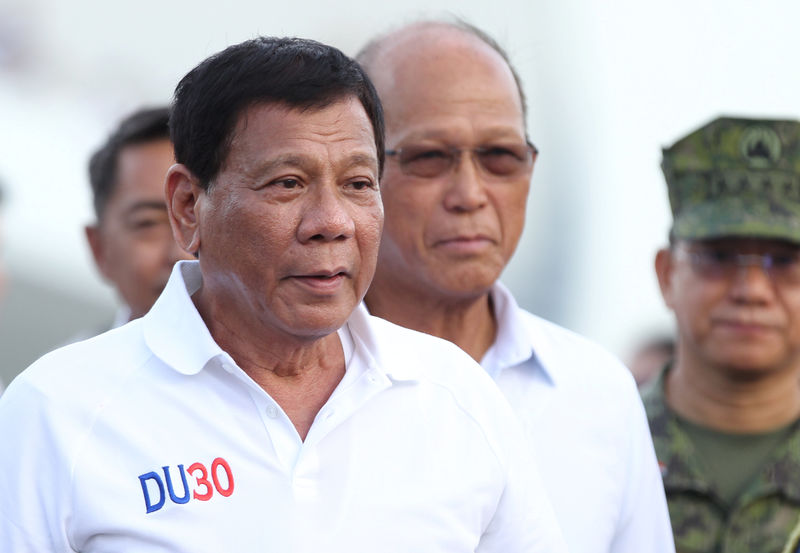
[{"x": 455, "y": 154}]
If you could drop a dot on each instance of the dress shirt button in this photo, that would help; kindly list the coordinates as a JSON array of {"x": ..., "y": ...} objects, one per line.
[{"x": 272, "y": 412}]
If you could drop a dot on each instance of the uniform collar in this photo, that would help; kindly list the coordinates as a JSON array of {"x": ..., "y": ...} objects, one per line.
[
  {"x": 176, "y": 333},
  {"x": 521, "y": 338},
  {"x": 679, "y": 465},
  {"x": 676, "y": 455}
]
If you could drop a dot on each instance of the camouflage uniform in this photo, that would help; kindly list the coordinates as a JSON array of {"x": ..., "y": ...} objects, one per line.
[
  {"x": 760, "y": 520},
  {"x": 731, "y": 178}
]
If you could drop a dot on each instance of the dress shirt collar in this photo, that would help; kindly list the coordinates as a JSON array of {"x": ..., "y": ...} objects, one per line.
[{"x": 519, "y": 339}]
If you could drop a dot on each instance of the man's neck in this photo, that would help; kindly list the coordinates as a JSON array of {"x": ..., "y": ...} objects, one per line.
[
  {"x": 468, "y": 323},
  {"x": 719, "y": 399},
  {"x": 300, "y": 374}
]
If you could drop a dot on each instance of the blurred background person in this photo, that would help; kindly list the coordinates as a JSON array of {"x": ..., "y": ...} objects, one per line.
[
  {"x": 724, "y": 416},
  {"x": 131, "y": 240},
  {"x": 458, "y": 170}
]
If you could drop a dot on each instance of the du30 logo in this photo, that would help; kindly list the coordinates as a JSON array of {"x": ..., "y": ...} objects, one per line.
[{"x": 219, "y": 473}]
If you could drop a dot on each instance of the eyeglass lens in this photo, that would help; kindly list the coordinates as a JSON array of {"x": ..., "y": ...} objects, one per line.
[
  {"x": 723, "y": 263},
  {"x": 500, "y": 160}
]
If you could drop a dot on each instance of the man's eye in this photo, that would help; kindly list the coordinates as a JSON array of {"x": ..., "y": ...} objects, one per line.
[
  {"x": 425, "y": 155},
  {"x": 499, "y": 152},
  {"x": 361, "y": 184},
  {"x": 287, "y": 183},
  {"x": 784, "y": 259},
  {"x": 718, "y": 257},
  {"x": 144, "y": 224}
]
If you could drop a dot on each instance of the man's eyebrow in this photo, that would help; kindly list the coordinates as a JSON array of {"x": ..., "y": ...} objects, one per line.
[
  {"x": 284, "y": 159},
  {"x": 362, "y": 159},
  {"x": 143, "y": 205}
]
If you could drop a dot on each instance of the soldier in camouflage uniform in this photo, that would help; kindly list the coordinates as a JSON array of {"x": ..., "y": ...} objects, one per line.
[{"x": 725, "y": 415}]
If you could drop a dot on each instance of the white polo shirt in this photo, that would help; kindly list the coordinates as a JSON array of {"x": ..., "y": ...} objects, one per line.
[
  {"x": 581, "y": 409},
  {"x": 150, "y": 438}
]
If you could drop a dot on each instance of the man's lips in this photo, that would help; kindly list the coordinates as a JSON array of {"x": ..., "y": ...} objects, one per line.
[
  {"x": 744, "y": 326},
  {"x": 465, "y": 243},
  {"x": 321, "y": 280}
]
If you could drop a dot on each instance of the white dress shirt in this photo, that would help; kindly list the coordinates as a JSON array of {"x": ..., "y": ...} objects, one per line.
[
  {"x": 582, "y": 411},
  {"x": 150, "y": 438}
]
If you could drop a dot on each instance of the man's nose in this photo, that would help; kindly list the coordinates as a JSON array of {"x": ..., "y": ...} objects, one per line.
[
  {"x": 326, "y": 217},
  {"x": 752, "y": 282},
  {"x": 467, "y": 186}
]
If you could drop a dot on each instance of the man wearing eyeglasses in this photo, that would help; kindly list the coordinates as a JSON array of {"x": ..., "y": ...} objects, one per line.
[
  {"x": 725, "y": 416},
  {"x": 458, "y": 169}
]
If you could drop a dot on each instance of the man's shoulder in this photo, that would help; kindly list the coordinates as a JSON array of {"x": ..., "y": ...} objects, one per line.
[
  {"x": 575, "y": 358},
  {"x": 433, "y": 362},
  {"x": 59, "y": 397},
  {"x": 423, "y": 354},
  {"x": 81, "y": 368},
  {"x": 401, "y": 336},
  {"x": 436, "y": 361}
]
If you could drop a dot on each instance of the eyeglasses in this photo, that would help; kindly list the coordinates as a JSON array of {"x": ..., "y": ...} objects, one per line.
[
  {"x": 501, "y": 160},
  {"x": 723, "y": 263}
]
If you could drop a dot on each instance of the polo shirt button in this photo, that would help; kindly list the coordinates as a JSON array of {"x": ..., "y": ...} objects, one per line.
[{"x": 272, "y": 412}]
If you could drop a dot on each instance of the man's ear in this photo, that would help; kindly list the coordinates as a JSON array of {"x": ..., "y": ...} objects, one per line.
[
  {"x": 183, "y": 194},
  {"x": 95, "y": 239},
  {"x": 664, "y": 270}
]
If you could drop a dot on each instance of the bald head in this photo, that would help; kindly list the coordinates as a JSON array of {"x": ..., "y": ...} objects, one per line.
[{"x": 424, "y": 39}]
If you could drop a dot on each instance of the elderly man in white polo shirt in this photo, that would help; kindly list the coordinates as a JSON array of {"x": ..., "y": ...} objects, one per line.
[
  {"x": 455, "y": 191},
  {"x": 256, "y": 407}
]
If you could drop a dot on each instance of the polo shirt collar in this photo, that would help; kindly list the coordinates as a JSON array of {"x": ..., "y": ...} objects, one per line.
[
  {"x": 173, "y": 328},
  {"x": 176, "y": 333},
  {"x": 519, "y": 339}
]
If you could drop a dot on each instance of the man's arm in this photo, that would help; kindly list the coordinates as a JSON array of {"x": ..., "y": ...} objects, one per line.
[
  {"x": 644, "y": 523},
  {"x": 524, "y": 520},
  {"x": 30, "y": 475}
]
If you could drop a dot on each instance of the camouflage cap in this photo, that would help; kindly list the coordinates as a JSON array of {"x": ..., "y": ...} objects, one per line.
[{"x": 736, "y": 177}]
